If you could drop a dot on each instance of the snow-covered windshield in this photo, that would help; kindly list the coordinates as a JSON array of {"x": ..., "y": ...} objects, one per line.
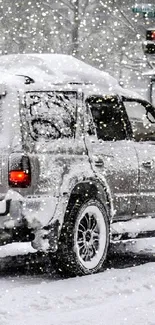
[{"x": 51, "y": 115}]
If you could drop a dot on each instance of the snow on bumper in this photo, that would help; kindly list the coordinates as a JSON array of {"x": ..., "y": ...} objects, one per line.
[
  {"x": 42, "y": 214},
  {"x": 36, "y": 210}
]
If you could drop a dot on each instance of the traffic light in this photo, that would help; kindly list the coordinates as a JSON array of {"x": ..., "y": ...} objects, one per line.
[
  {"x": 149, "y": 44},
  {"x": 150, "y": 34}
]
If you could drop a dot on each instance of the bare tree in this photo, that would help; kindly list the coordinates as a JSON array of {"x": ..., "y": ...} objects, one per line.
[{"x": 104, "y": 33}]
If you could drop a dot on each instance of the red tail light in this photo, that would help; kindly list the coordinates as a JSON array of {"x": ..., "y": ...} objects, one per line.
[
  {"x": 19, "y": 171},
  {"x": 19, "y": 178}
]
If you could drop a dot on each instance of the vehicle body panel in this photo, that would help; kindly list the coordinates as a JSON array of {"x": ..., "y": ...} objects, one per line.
[
  {"x": 146, "y": 161},
  {"x": 119, "y": 166}
]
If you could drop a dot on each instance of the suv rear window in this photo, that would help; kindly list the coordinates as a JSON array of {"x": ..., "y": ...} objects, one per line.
[{"x": 51, "y": 115}]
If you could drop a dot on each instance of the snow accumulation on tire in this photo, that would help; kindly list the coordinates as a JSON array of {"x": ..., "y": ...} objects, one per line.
[{"x": 84, "y": 239}]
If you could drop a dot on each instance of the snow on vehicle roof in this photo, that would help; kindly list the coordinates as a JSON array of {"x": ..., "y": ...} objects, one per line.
[
  {"x": 59, "y": 69},
  {"x": 47, "y": 66},
  {"x": 128, "y": 93}
]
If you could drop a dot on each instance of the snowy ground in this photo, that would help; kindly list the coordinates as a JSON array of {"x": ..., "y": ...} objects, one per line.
[{"x": 123, "y": 294}]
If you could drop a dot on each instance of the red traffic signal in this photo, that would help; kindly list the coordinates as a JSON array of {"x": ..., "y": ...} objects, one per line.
[
  {"x": 153, "y": 35},
  {"x": 149, "y": 44},
  {"x": 150, "y": 35}
]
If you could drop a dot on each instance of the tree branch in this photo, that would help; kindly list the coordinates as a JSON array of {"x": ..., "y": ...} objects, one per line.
[{"x": 57, "y": 11}]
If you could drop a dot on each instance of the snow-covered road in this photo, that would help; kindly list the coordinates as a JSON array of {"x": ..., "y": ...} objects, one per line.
[{"x": 114, "y": 297}]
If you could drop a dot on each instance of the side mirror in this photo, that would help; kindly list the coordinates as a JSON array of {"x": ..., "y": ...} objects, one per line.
[{"x": 150, "y": 117}]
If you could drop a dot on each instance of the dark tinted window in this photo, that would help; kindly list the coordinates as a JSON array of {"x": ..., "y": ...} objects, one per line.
[
  {"x": 142, "y": 120},
  {"x": 51, "y": 115},
  {"x": 107, "y": 117}
]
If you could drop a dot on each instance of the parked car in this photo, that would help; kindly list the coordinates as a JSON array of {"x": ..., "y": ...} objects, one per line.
[{"x": 77, "y": 162}]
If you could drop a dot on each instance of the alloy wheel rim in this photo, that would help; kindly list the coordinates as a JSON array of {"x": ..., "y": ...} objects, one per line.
[{"x": 90, "y": 237}]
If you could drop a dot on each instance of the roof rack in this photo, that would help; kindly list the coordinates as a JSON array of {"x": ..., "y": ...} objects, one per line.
[{"x": 79, "y": 83}]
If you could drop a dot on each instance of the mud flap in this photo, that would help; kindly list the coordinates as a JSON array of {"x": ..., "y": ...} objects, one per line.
[{"x": 46, "y": 239}]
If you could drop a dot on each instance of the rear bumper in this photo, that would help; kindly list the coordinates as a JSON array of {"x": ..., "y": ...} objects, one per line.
[
  {"x": 13, "y": 227},
  {"x": 4, "y": 207},
  {"x": 10, "y": 214},
  {"x": 37, "y": 210},
  {"x": 30, "y": 219}
]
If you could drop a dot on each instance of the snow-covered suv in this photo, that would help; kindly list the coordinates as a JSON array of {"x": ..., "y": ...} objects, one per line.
[{"x": 77, "y": 160}]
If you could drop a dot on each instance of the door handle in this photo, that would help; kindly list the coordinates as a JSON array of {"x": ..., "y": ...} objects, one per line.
[
  {"x": 147, "y": 164},
  {"x": 99, "y": 162}
]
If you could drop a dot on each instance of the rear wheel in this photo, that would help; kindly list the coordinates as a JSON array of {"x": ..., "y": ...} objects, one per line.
[{"x": 84, "y": 239}]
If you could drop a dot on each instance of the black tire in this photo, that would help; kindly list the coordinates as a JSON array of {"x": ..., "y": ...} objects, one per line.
[{"x": 84, "y": 239}]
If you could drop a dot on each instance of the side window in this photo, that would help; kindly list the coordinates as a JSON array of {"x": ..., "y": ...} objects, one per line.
[
  {"x": 107, "y": 117},
  {"x": 142, "y": 120},
  {"x": 51, "y": 115}
]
